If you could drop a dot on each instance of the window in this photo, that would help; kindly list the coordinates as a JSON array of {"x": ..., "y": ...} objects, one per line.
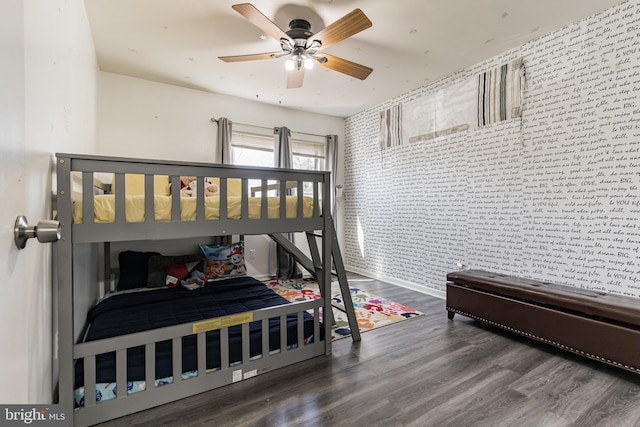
[
  {"x": 257, "y": 150},
  {"x": 253, "y": 149}
]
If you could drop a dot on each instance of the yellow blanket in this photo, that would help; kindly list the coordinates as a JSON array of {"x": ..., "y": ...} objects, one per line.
[{"x": 104, "y": 208}]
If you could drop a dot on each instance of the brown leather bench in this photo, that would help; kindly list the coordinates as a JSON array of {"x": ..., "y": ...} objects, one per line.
[{"x": 594, "y": 324}]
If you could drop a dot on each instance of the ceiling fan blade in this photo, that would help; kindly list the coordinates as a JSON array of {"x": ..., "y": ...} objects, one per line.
[
  {"x": 295, "y": 78},
  {"x": 252, "y": 57},
  {"x": 350, "y": 24},
  {"x": 256, "y": 17},
  {"x": 343, "y": 66}
]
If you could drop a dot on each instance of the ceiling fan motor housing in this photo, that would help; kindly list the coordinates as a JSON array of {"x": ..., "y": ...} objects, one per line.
[{"x": 299, "y": 29}]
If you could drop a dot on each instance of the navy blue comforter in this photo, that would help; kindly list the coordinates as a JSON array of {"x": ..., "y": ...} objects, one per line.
[{"x": 141, "y": 311}]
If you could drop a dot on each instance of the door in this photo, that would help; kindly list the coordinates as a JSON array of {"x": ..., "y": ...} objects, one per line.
[
  {"x": 48, "y": 77},
  {"x": 22, "y": 302}
]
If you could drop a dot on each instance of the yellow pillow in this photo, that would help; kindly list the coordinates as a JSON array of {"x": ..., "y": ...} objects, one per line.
[
  {"x": 134, "y": 185},
  {"x": 234, "y": 186}
]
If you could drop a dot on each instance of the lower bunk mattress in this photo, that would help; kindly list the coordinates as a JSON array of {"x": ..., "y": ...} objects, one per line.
[{"x": 129, "y": 312}]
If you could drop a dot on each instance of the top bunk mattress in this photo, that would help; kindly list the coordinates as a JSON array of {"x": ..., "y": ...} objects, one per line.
[{"x": 104, "y": 207}]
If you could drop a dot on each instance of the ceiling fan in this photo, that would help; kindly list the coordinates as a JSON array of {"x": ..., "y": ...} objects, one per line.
[{"x": 304, "y": 47}]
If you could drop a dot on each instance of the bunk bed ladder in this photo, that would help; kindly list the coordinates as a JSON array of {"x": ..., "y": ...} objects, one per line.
[
  {"x": 314, "y": 266},
  {"x": 341, "y": 274}
]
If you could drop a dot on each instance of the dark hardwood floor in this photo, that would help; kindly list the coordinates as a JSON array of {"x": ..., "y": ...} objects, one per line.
[{"x": 426, "y": 371}]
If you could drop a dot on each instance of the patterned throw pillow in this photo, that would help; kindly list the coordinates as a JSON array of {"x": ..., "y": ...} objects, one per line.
[{"x": 223, "y": 262}]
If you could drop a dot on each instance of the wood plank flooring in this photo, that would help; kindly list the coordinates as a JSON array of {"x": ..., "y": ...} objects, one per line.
[{"x": 426, "y": 371}]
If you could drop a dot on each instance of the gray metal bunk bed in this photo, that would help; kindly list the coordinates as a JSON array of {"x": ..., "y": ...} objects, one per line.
[{"x": 82, "y": 260}]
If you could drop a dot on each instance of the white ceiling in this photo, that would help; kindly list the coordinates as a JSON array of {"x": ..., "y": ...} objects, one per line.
[{"x": 411, "y": 43}]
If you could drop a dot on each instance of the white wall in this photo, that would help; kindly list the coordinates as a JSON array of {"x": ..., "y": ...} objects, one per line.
[
  {"x": 552, "y": 196},
  {"x": 145, "y": 119},
  {"x": 141, "y": 118},
  {"x": 47, "y": 81}
]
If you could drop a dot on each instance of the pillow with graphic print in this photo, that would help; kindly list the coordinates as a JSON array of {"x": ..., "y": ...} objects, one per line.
[
  {"x": 161, "y": 267},
  {"x": 224, "y": 261}
]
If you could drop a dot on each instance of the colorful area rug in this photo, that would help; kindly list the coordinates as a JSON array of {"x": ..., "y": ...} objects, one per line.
[{"x": 371, "y": 310}]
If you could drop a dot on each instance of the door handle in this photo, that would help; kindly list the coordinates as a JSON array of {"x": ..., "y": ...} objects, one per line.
[{"x": 47, "y": 230}]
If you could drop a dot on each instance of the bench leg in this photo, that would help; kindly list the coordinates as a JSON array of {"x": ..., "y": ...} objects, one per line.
[{"x": 450, "y": 314}]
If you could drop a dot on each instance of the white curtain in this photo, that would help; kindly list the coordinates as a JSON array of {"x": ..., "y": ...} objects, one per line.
[{"x": 282, "y": 265}]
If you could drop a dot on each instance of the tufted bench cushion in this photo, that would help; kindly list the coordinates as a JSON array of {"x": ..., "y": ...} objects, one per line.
[{"x": 591, "y": 303}]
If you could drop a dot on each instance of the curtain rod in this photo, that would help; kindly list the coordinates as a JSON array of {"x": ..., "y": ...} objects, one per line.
[{"x": 264, "y": 127}]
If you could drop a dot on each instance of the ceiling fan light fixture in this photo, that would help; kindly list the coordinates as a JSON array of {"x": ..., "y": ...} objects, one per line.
[
  {"x": 315, "y": 44},
  {"x": 308, "y": 63},
  {"x": 286, "y": 45},
  {"x": 289, "y": 64}
]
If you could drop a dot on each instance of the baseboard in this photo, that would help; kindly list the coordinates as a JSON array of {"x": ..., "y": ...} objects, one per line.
[{"x": 399, "y": 282}]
